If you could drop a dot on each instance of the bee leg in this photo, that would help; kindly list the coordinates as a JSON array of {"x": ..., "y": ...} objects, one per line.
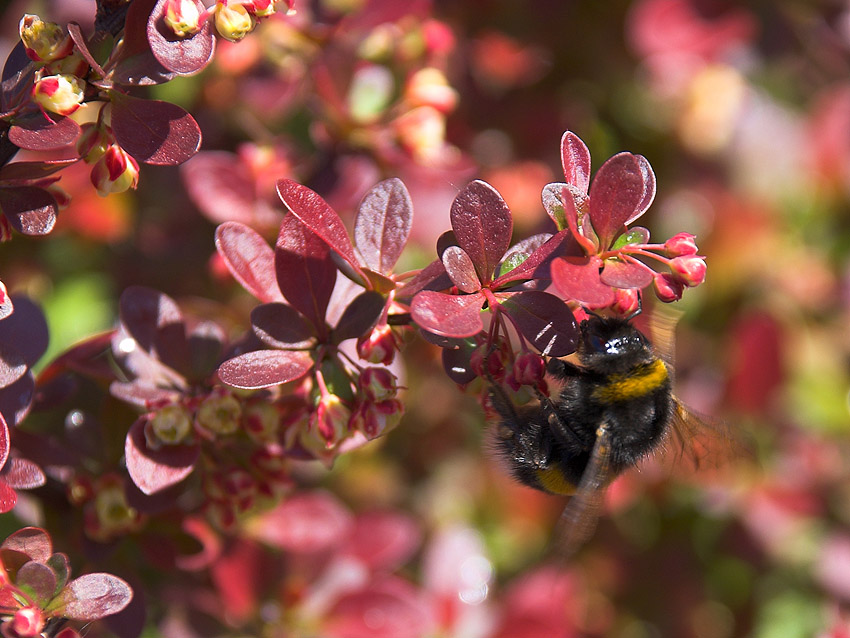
[{"x": 554, "y": 420}]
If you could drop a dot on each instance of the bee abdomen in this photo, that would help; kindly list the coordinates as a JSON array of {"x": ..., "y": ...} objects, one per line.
[{"x": 641, "y": 381}]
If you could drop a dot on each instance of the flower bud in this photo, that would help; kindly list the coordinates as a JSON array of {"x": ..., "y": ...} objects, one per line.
[
  {"x": 483, "y": 363},
  {"x": 170, "y": 425},
  {"x": 72, "y": 64},
  {"x": 261, "y": 8},
  {"x": 182, "y": 17},
  {"x": 529, "y": 369},
  {"x": 626, "y": 301},
  {"x": 667, "y": 287},
  {"x": 61, "y": 94},
  {"x": 330, "y": 420},
  {"x": 115, "y": 172},
  {"x": 92, "y": 143},
  {"x": 219, "y": 414},
  {"x": 422, "y": 132},
  {"x": 44, "y": 41},
  {"x": 378, "y": 346},
  {"x": 374, "y": 419},
  {"x": 27, "y": 622},
  {"x": 112, "y": 514},
  {"x": 429, "y": 87},
  {"x": 262, "y": 422},
  {"x": 232, "y": 20},
  {"x": 689, "y": 269},
  {"x": 377, "y": 384},
  {"x": 681, "y": 244}
]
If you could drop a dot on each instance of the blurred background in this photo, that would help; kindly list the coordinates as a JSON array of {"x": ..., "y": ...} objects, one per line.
[{"x": 742, "y": 109}]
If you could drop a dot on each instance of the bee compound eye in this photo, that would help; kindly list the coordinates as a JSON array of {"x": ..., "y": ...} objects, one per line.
[{"x": 597, "y": 343}]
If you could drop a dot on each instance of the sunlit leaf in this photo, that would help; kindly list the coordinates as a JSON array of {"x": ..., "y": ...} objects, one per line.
[
  {"x": 155, "y": 470},
  {"x": 545, "y": 320},
  {"x": 153, "y": 131},
  {"x": 448, "y": 315},
  {"x": 482, "y": 223},
  {"x": 460, "y": 269},
  {"x": 264, "y": 368},
  {"x": 186, "y": 55},
  {"x": 578, "y": 278},
  {"x": 575, "y": 159},
  {"x": 36, "y": 133},
  {"x": 383, "y": 224},
  {"x": 93, "y": 596},
  {"x": 617, "y": 193},
  {"x": 33, "y": 542},
  {"x": 621, "y": 274},
  {"x": 250, "y": 260},
  {"x": 31, "y": 210}
]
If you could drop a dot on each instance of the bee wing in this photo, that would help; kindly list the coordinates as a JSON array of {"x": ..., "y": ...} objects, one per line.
[
  {"x": 662, "y": 329},
  {"x": 578, "y": 521}
]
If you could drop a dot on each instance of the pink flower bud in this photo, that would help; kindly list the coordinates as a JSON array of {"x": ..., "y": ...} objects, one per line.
[
  {"x": 232, "y": 20},
  {"x": 681, "y": 244},
  {"x": 429, "y": 87},
  {"x": 690, "y": 269},
  {"x": 182, "y": 17},
  {"x": 626, "y": 301},
  {"x": 115, "y": 172},
  {"x": 61, "y": 94},
  {"x": 377, "y": 384},
  {"x": 92, "y": 143},
  {"x": 44, "y": 41},
  {"x": 529, "y": 369},
  {"x": 481, "y": 363},
  {"x": 27, "y": 622},
  {"x": 72, "y": 64},
  {"x": 330, "y": 420},
  {"x": 378, "y": 346},
  {"x": 262, "y": 422},
  {"x": 667, "y": 287},
  {"x": 261, "y": 8},
  {"x": 374, "y": 419}
]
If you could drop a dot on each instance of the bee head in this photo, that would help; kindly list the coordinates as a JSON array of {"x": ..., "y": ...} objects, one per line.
[{"x": 612, "y": 344}]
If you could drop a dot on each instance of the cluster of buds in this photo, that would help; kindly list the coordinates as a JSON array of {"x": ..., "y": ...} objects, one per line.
[
  {"x": 378, "y": 410},
  {"x": 107, "y": 514},
  {"x": 233, "y": 19},
  {"x": 59, "y": 85},
  {"x": 498, "y": 362},
  {"x": 208, "y": 417},
  {"x": 114, "y": 170}
]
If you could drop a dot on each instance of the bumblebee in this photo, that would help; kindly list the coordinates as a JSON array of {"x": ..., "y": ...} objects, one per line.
[{"x": 614, "y": 409}]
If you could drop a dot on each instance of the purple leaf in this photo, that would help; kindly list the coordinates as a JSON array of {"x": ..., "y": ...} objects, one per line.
[
  {"x": 315, "y": 213},
  {"x": 155, "y": 322},
  {"x": 621, "y": 274},
  {"x": 23, "y": 474},
  {"x": 141, "y": 393},
  {"x": 206, "y": 342},
  {"x": 432, "y": 277},
  {"x": 383, "y": 224},
  {"x": 264, "y": 368},
  {"x": 545, "y": 320},
  {"x": 93, "y": 596},
  {"x": 578, "y": 278},
  {"x": 536, "y": 265},
  {"x": 26, "y": 328},
  {"x": 32, "y": 542},
  {"x": 279, "y": 325},
  {"x": 648, "y": 188},
  {"x": 184, "y": 56},
  {"x": 18, "y": 74},
  {"x": 616, "y": 195},
  {"x": 250, "y": 260},
  {"x": 36, "y": 133},
  {"x": 460, "y": 269},
  {"x": 33, "y": 170},
  {"x": 359, "y": 316},
  {"x": 155, "y": 470},
  {"x": 12, "y": 365},
  {"x": 457, "y": 364},
  {"x": 30, "y": 210},
  {"x": 39, "y": 579},
  {"x": 448, "y": 315},
  {"x": 83, "y": 47},
  {"x": 305, "y": 271},
  {"x": 154, "y": 132},
  {"x": 16, "y": 399},
  {"x": 575, "y": 158},
  {"x": 482, "y": 223}
]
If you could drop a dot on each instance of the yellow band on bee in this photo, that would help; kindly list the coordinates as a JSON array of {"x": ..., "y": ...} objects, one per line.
[
  {"x": 641, "y": 381},
  {"x": 553, "y": 481}
]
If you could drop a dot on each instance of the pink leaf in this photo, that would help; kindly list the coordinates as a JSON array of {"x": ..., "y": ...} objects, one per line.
[
  {"x": 93, "y": 596},
  {"x": 482, "y": 224},
  {"x": 575, "y": 158},
  {"x": 617, "y": 194},
  {"x": 8, "y": 497},
  {"x": 264, "y": 368},
  {"x": 448, "y": 315},
  {"x": 460, "y": 269},
  {"x": 155, "y": 470},
  {"x": 621, "y": 274},
  {"x": 545, "y": 320},
  {"x": 37, "y": 133},
  {"x": 315, "y": 213},
  {"x": 578, "y": 278},
  {"x": 305, "y": 271},
  {"x": 153, "y": 131},
  {"x": 32, "y": 542},
  {"x": 307, "y": 523},
  {"x": 23, "y": 474},
  {"x": 30, "y": 210},
  {"x": 184, "y": 56},
  {"x": 39, "y": 579},
  {"x": 249, "y": 258},
  {"x": 383, "y": 224}
]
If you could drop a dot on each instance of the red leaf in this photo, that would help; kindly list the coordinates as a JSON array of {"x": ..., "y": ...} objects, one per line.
[
  {"x": 93, "y": 596},
  {"x": 305, "y": 271},
  {"x": 307, "y": 523},
  {"x": 279, "y": 325},
  {"x": 23, "y": 474},
  {"x": 460, "y": 269},
  {"x": 536, "y": 265},
  {"x": 545, "y": 320},
  {"x": 8, "y": 497},
  {"x": 83, "y": 47},
  {"x": 578, "y": 278},
  {"x": 153, "y": 131},
  {"x": 32, "y": 170},
  {"x": 315, "y": 213},
  {"x": 155, "y": 322},
  {"x": 36, "y": 133},
  {"x": 32, "y": 542},
  {"x": 482, "y": 224},
  {"x": 387, "y": 608},
  {"x": 250, "y": 260},
  {"x": 648, "y": 188},
  {"x": 575, "y": 158},
  {"x": 155, "y": 470},
  {"x": 26, "y": 328},
  {"x": 264, "y": 368},
  {"x": 31, "y": 210},
  {"x": 621, "y": 274},
  {"x": 383, "y": 224},
  {"x": 617, "y": 194},
  {"x": 4, "y": 441},
  {"x": 448, "y": 315},
  {"x": 184, "y": 56}
]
